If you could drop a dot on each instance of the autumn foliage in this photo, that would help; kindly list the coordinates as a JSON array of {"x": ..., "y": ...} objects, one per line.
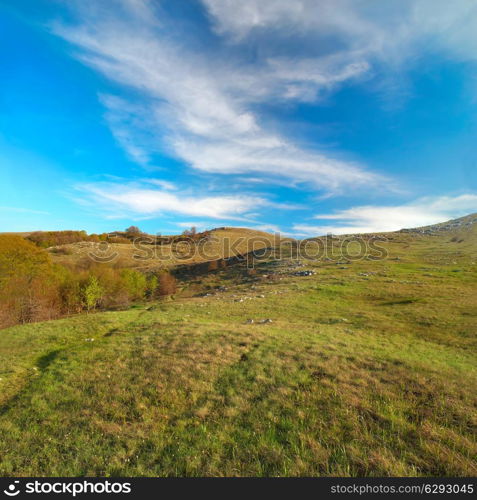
[{"x": 32, "y": 288}]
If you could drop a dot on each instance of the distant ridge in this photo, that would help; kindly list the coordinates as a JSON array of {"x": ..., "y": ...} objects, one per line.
[{"x": 451, "y": 225}]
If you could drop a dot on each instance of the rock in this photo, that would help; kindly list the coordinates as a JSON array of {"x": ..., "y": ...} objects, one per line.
[{"x": 304, "y": 273}]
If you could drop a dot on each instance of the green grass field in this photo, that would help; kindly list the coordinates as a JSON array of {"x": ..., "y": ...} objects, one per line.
[{"x": 367, "y": 368}]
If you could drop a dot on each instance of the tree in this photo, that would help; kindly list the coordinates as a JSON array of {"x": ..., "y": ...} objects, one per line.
[
  {"x": 190, "y": 232},
  {"x": 151, "y": 287},
  {"x": 133, "y": 231},
  {"x": 134, "y": 283},
  {"x": 28, "y": 284},
  {"x": 92, "y": 293}
]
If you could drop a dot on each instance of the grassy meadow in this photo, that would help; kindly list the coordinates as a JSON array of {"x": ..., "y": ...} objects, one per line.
[{"x": 366, "y": 368}]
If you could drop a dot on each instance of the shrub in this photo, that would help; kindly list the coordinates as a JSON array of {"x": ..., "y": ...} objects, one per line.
[
  {"x": 62, "y": 251},
  {"x": 92, "y": 293},
  {"x": 167, "y": 284},
  {"x": 71, "y": 296},
  {"x": 213, "y": 265},
  {"x": 151, "y": 286},
  {"x": 135, "y": 283},
  {"x": 222, "y": 263},
  {"x": 46, "y": 239}
]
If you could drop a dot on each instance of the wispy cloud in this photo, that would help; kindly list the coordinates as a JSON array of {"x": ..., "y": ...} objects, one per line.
[
  {"x": 131, "y": 126},
  {"x": 389, "y": 37},
  {"x": 21, "y": 210},
  {"x": 135, "y": 200},
  {"x": 205, "y": 107},
  {"x": 370, "y": 219},
  {"x": 168, "y": 186},
  {"x": 202, "y": 107},
  {"x": 390, "y": 30}
]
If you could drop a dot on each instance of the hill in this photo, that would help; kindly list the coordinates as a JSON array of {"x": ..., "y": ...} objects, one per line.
[
  {"x": 299, "y": 366},
  {"x": 220, "y": 243},
  {"x": 454, "y": 225}
]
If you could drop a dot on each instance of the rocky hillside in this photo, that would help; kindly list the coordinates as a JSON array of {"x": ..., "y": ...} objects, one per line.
[{"x": 467, "y": 222}]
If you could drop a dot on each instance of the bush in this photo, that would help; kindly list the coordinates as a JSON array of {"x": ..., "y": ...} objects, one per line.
[
  {"x": 151, "y": 286},
  {"x": 62, "y": 251},
  {"x": 167, "y": 284},
  {"x": 135, "y": 283},
  {"x": 92, "y": 293},
  {"x": 213, "y": 265},
  {"x": 71, "y": 296},
  {"x": 46, "y": 239}
]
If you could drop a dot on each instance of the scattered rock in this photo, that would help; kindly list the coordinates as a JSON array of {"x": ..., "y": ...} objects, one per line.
[{"x": 304, "y": 273}]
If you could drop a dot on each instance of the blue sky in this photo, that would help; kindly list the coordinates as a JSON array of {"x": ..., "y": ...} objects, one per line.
[{"x": 304, "y": 117}]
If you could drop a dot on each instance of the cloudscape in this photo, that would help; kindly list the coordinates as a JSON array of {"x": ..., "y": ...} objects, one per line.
[{"x": 303, "y": 117}]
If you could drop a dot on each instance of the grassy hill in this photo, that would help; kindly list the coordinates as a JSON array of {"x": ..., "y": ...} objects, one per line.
[
  {"x": 366, "y": 367},
  {"x": 222, "y": 243}
]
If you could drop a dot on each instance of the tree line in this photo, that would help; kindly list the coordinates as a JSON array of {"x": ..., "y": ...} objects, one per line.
[
  {"x": 33, "y": 288},
  {"x": 48, "y": 239}
]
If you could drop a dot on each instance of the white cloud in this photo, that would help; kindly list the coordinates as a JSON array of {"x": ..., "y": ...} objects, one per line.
[
  {"x": 390, "y": 36},
  {"x": 126, "y": 122},
  {"x": 21, "y": 210},
  {"x": 371, "y": 219},
  {"x": 135, "y": 200},
  {"x": 203, "y": 105},
  {"x": 389, "y": 29},
  {"x": 168, "y": 186},
  {"x": 201, "y": 226},
  {"x": 239, "y": 19}
]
